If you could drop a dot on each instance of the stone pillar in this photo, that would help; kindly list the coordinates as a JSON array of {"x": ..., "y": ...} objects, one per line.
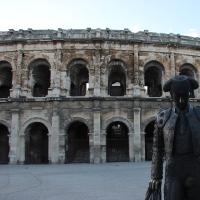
[
  {"x": 173, "y": 65},
  {"x": 143, "y": 145},
  {"x": 131, "y": 147},
  {"x": 55, "y": 88},
  {"x": 137, "y": 135},
  {"x": 97, "y": 132},
  {"x": 138, "y": 89},
  {"x": 103, "y": 146},
  {"x": 94, "y": 79},
  {"x": 65, "y": 83},
  {"x": 15, "y": 92},
  {"x": 54, "y": 148},
  {"x": 14, "y": 147}
]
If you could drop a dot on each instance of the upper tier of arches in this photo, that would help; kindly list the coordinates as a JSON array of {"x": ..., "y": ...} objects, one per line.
[{"x": 80, "y": 76}]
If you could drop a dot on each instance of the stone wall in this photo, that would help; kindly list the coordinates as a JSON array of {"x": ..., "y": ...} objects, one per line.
[{"x": 98, "y": 51}]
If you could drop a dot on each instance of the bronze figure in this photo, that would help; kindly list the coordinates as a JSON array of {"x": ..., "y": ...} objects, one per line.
[{"x": 177, "y": 140}]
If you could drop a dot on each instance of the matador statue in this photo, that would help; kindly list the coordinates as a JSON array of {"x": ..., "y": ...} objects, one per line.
[{"x": 177, "y": 140}]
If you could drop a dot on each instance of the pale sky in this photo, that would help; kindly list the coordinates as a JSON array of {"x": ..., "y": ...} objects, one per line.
[{"x": 162, "y": 16}]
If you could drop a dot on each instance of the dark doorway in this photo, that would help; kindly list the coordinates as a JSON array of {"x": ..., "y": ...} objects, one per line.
[
  {"x": 149, "y": 130},
  {"x": 36, "y": 144},
  {"x": 77, "y": 148},
  {"x": 117, "y": 143},
  {"x": 4, "y": 144},
  {"x": 5, "y": 79}
]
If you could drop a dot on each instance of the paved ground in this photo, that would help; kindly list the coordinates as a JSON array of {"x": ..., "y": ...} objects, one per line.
[{"x": 111, "y": 181}]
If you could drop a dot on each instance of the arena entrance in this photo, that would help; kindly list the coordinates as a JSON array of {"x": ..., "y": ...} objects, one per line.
[
  {"x": 117, "y": 143},
  {"x": 4, "y": 144},
  {"x": 77, "y": 148},
  {"x": 36, "y": 144},
  {"x": 149, "y": 140}
]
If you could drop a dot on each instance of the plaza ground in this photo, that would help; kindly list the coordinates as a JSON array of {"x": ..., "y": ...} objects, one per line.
[{"x": 110, "y": 181}]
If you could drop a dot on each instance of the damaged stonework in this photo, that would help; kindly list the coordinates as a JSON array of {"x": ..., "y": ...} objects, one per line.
[{"x": 86, "y": 95}]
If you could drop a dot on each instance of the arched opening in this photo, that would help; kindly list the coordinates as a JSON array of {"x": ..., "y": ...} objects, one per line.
[
  {"x": 79, "y": 76},
  {"x": 5, "y": 79},
  {"x": 149, "y": 130},
  {"x": 153, "y": 79},
  {"x": 190, "y": 71},
  {"x": 4, "y": 144},
  {"x": 117, "y": 143},
  {"x": 39, "y": 77},
  {"x": 36, "y": 144},
  {"x": 116, "y": 80},
  {"x": 77, "y": 145}
]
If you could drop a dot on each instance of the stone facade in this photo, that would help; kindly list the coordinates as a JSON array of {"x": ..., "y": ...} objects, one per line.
[{"x": 100, "y": 82}]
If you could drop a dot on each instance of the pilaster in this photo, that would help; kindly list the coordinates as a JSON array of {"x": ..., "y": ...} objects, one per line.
[
  {"x": 14, "y": 147},
  {"x": 97, "y": 132},
  {"x": 16, "y": 90},
  {"x": 55, "y": 138},
  {"x": 137, "y": 135}
]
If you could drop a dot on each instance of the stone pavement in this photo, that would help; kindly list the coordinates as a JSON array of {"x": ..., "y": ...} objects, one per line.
[{"x": 110, "y": 181}]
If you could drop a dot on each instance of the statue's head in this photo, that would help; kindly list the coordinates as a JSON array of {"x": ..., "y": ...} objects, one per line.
[{"x": 181, "y": 87}]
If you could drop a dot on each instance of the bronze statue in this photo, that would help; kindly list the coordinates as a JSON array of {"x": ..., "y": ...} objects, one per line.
[{"x": 177, "y": 139}]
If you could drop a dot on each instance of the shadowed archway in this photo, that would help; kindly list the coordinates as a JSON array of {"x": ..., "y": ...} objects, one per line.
[
  {"x": 39, "y": 76},
  {"x": 5, "y": 79},
  {"x": 149, "y": 130},
  {"x": 77, "y": 144},
  {"x": 117, "y": 142},
  {"x": 4, "y": 144},
  {"x": 153, "y": 78},
  {"x": 36, "y": 144}
]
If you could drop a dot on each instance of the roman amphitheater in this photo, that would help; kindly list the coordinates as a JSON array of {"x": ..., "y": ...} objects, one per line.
[{"x": 86, "y": 95}]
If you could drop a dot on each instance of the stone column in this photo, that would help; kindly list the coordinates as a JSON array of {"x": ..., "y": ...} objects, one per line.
[
  {"x": 103, "y": 146},
  {"x": 173, "y": 65},
  {"x": 54, "y": 158},
  {"x": 55, "y": 88},
  {"x": 137, "y": 135},
  {"x": 97, "y": 132},
  {"x": 16, "y": 73},
  {"x": 143, "y": 145},
  {"x": 138, "y": 90},
  {"x": 94, "y": 79},
  {"x": 14, "y": 136},
  {"x": 131, "y": 147}
]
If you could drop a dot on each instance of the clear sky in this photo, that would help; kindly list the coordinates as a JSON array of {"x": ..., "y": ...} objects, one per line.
[{"x": 166, "y": 16}]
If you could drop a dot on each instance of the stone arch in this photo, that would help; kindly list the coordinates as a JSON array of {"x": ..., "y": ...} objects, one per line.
[
  {"x": 77, "y": 145},
  {"x": 153, "y": 78},
  {"x": 23, "y": 136},
  {"x": 117, "y": 142},
  {"x": 5, "y": 78},
  {"x": 36, "y": 143},
  {"x": 32, "y": 120},
  {"x": 39, "y": 76},
  {"x": 5, "y": 123},
  {"x": 117, "y": 78},
  {"x": 81, "y": 119},
  {"x": 121, "y": 119},
  {"x": 189, "y": 70},
  {"x": 79, "y": 61},
  {"x": 4, "y": 143},
  {"x": 79, "y": 77},
  {"x": 146, "y": 122}
]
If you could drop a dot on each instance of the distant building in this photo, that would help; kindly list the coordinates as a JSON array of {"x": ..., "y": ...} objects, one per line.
[{"x": 86, "y": 95}]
